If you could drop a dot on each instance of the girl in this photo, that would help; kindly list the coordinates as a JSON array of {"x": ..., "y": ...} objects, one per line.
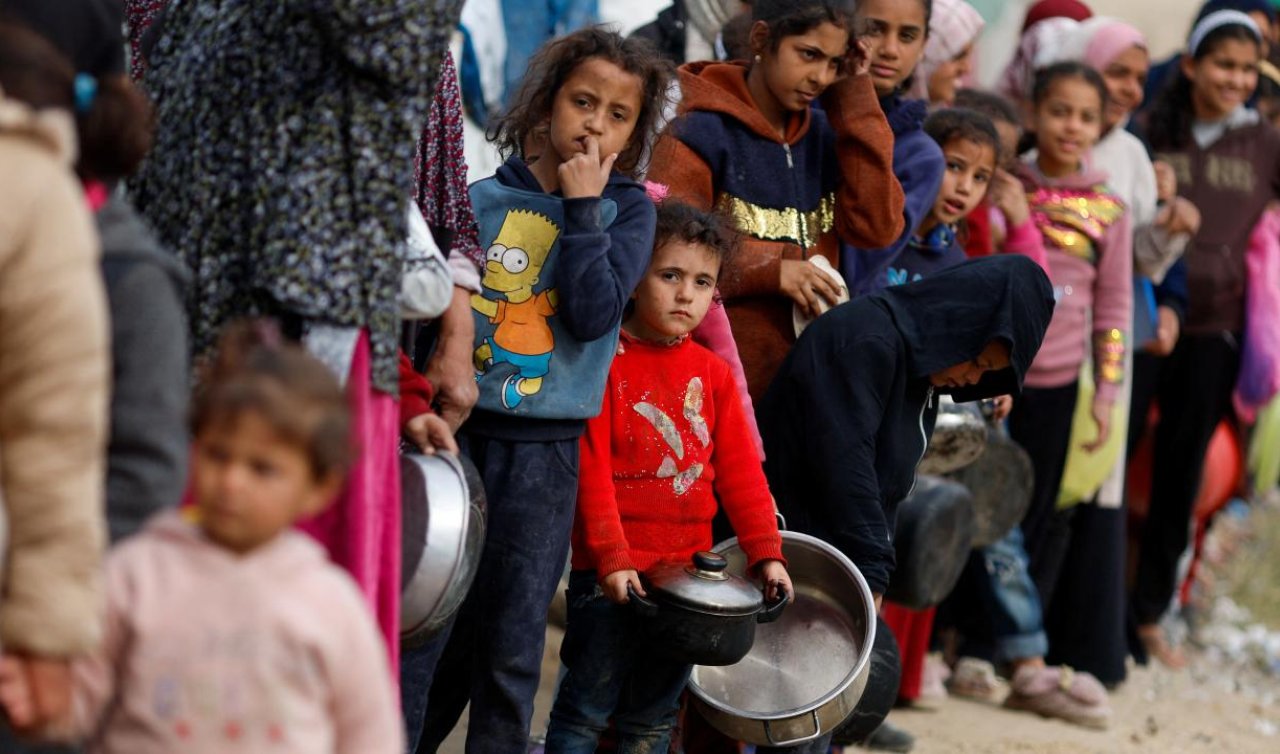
[
  {"x": 567, "y": 234},
  {"x": 1086, "y": 233},
  {"x": 796, "y": 180},
  {"x": 948, "y": 57},
  {"x": 632, "y": 515},
  {"x": 1228, "y": 164},
  {"x": 234, "y": 631},
  {"x": 897, "y": 34}
]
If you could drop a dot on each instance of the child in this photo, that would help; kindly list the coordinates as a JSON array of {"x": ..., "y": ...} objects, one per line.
[
  {"x": 948, "y": 57},
  {"x": 796, "y": 180},
  {"x": 568, "y": 233},
  {"x": 897, "y": 36},
  {"x": 971, "y": 148},
  {"x": 1002, "y": 221},
  {"x": 667, "y": 398},
  {"x": 235, "y": 632},
  {"x": 1227, "y": 162}
]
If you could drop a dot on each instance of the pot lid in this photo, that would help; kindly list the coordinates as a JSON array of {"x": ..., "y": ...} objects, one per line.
[{"x": 705, "y": 586}]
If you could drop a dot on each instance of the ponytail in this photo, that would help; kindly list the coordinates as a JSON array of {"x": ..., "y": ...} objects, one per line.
[{"x": 1168, "y": 125}]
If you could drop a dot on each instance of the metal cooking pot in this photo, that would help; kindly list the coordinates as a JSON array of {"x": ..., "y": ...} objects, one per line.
[
  {"x": 442, "y": 537},
  {"x": 807, "y": 670},
  {"x": 959, "y": 437},
  {"x": 700, "y": 613},
  {"x": 931, "y": 542},
  {"x": 1001, "y": 483}
]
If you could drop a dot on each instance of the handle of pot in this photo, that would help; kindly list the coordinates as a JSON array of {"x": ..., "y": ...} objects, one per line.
[
  {"x": 773, "y": 611},
  {"x": 642, "y": 605},
  {"x": 817, "y": 731}
]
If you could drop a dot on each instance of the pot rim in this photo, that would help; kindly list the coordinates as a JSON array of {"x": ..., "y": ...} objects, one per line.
[{"x": 864, "y": 658}]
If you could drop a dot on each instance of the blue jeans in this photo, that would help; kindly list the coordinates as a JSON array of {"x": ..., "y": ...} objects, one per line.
[
  {"x": 612, "y": 673},
  {"x": 1012, "y": 600},
  {"x": 491, "y": 655},
  {"x": 531, "y": 23}
]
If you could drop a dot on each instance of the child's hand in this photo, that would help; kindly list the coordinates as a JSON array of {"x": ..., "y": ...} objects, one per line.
[
  {"x": 1167, "y": 330},
  {"x": 857, "y": 61},
  {"x": 585, "y": 174},
  {"x": 615, "y": 584},
  {"x": 806, "y": 284},
  {"x": 1179, "y": 216},
  {"x": 16, "y": 697},
  {"x": 431, "y": 433},
  {"x": 1008, "y": 196},
  {"x": 1102, "y": 418},
  {"x": 1166, "y": 181},
  {"x": 1001, "y": 406},
  {"x": 34, "y": 691},
  {"x": 776, "y": 580}
]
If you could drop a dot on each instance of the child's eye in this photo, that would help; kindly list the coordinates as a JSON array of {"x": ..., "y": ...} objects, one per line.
[
  {"x": 582, "y": 102},
  {"x": 908, "y": 36},
  {"x": 982, "y": 178},
  {"x": 263, "y": 468},
  {"x": 620, "y": 117},
  {"x": 670, "y": 276}
]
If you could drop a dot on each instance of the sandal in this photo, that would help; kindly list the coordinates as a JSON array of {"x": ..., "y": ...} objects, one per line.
[
  {"x": 1062, "y": 693},
  {"x": 977, "y": 680}
]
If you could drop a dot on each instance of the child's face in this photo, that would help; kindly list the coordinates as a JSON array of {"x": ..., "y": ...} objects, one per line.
[
  {"x": 896, "y": 32},
  {"x": 946, "y": 78},
  {"x": 970, "y": 166},
  {"x": 993, "y": 358},
  {"x": 250, "y": 484},
  {"x": 1223, "y": 79},
  {"x": 675, "y": 293},
  {"x": 1068, "y": 122},
  {"x": 1125, "y": 77},
  {"x": 803, "y": 66},
  {"x": 598, "y": 101}
]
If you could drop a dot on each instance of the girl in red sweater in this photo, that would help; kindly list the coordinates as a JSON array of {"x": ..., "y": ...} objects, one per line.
[{"x": 671, "y": 438}]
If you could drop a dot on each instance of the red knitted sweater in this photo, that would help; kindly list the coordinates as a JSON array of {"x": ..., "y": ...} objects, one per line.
[{"x": 671, "y": 437}]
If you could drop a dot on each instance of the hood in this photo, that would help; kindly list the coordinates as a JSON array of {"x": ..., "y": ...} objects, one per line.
[
  {"x": 515, "y": 173},
  {"x": 904, "y": 115},
  {"x": 126, "y": 236},
  {"x": 52, "y": 128},
  {"x": 1088, "y": 178},
  {"x": 290, "y": 552},
  {"x": 950, "y": 316},
  {"x": 722, "y": 88}
]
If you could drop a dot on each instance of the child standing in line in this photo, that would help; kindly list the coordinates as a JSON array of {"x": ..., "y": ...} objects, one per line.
[
  {"x": 235, "y": 632},
  {"x": 797, "y": 180},
  {"x": 667, "y": 398},
  {"x": 567, "y": 234}
]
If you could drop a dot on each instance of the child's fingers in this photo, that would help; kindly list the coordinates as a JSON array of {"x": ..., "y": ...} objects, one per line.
[
  {"x": 593, "y": 149},
  {"x": 606, "y": 167}
]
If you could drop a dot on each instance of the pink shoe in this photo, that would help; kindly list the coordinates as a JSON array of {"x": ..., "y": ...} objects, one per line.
[{"x": 1062, "y": 693}]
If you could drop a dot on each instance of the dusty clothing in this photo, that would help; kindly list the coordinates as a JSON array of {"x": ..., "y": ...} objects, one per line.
[
  {"x": 210, "y": 651},
  {"x": 147, "y": 454},
  {"x": 53, "y": 390},
  {"x": 283, "y": 157},
  {"x": 829, "y": 179}
]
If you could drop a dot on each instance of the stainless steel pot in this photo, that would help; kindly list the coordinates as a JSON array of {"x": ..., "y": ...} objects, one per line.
[
  {"x": 699, "y": 613},
  {"x": 959, "y": 437},
  {"x": 806, "y": 671},
  {"x": 442, "y": 537}
]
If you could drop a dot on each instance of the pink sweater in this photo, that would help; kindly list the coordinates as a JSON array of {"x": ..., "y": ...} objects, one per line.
[
  {"x": 209, "y": 651},
  {"x": 1088, "y": 242}
]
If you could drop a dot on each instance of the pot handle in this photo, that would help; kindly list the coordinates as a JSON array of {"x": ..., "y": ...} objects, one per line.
[
  {"x": 773, "y": 611},
  {"x": 817, "y": 731},
  {"x": 642, "y": 605}
]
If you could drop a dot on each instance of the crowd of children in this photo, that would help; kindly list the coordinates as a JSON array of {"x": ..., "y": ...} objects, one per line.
[{"x": 643, "y": 318}]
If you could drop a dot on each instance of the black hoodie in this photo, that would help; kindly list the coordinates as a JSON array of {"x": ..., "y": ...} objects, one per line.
[{"x": 849, "y": 415}]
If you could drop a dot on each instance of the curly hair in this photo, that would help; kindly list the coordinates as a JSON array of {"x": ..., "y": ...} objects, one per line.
[
  {"x": 949, "y": 124},
  {"x": 680, "y": 222},
  {"x": 529, "y": 115}
]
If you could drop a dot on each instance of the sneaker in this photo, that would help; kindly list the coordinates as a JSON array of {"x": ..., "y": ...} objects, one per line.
[
  {"x": 889, "y": 737},
  {"x": 511, "y": 395},
  {"x": 977, "y": 680},
  {"x": 1062, "y": 693},
  {"x": 933, "y": 690}
]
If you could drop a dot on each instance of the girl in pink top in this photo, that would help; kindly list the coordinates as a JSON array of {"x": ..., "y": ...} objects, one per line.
[
  {"x": 235, "y": 633},
  {"x": 1086, "y": 235}
]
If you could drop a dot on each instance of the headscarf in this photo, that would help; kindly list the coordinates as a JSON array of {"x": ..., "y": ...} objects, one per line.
[
  {"x": 953, "y": 26},
  {"x": 1098, "y": 41},
  {"x": 1046, "y": 9},
  {"x": 1039, "y": 47}
]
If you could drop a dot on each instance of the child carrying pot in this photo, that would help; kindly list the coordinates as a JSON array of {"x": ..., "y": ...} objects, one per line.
[{"x": 671, "y": 438}]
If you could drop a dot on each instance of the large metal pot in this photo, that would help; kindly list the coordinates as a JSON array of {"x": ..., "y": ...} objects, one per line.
[
  {"x": 442, "y": 537},
  {"x": 1001, "y": 482},
  {"x": 959, "y": 437},
  {"x": 931, "y": 542},
  {"x": 807, "y": 670},
  {"x": 701, "y": 614}
]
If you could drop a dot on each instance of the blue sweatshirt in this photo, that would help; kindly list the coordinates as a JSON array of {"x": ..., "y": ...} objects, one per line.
[
  {"x": 557, "y": 276},
  {"x": 923, "y": 257},
  {"x": 918, "y": 165}
]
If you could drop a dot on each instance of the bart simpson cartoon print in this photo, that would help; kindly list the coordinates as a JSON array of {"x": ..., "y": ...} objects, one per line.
[{"x": 522, "y": 337}]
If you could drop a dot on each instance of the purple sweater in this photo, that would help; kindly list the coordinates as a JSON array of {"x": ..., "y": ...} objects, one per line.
[{"x": 1089, "y": 246}]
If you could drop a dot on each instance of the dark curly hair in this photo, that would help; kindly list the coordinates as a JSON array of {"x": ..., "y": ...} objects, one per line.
[
  {"x": 947, "y": 125},
  {"x": 528, "y": 116},
  {"x": 680, "y": 222}
]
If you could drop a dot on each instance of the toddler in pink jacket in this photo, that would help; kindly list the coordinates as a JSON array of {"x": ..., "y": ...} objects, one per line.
[{"x": 227, "y": 631}]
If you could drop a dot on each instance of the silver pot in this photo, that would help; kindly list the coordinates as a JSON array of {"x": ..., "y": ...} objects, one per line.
[
  {"x": 442, "y": 538},
  {"x": 806, "y": 671},
  {"x": 959, "y": 437}
]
